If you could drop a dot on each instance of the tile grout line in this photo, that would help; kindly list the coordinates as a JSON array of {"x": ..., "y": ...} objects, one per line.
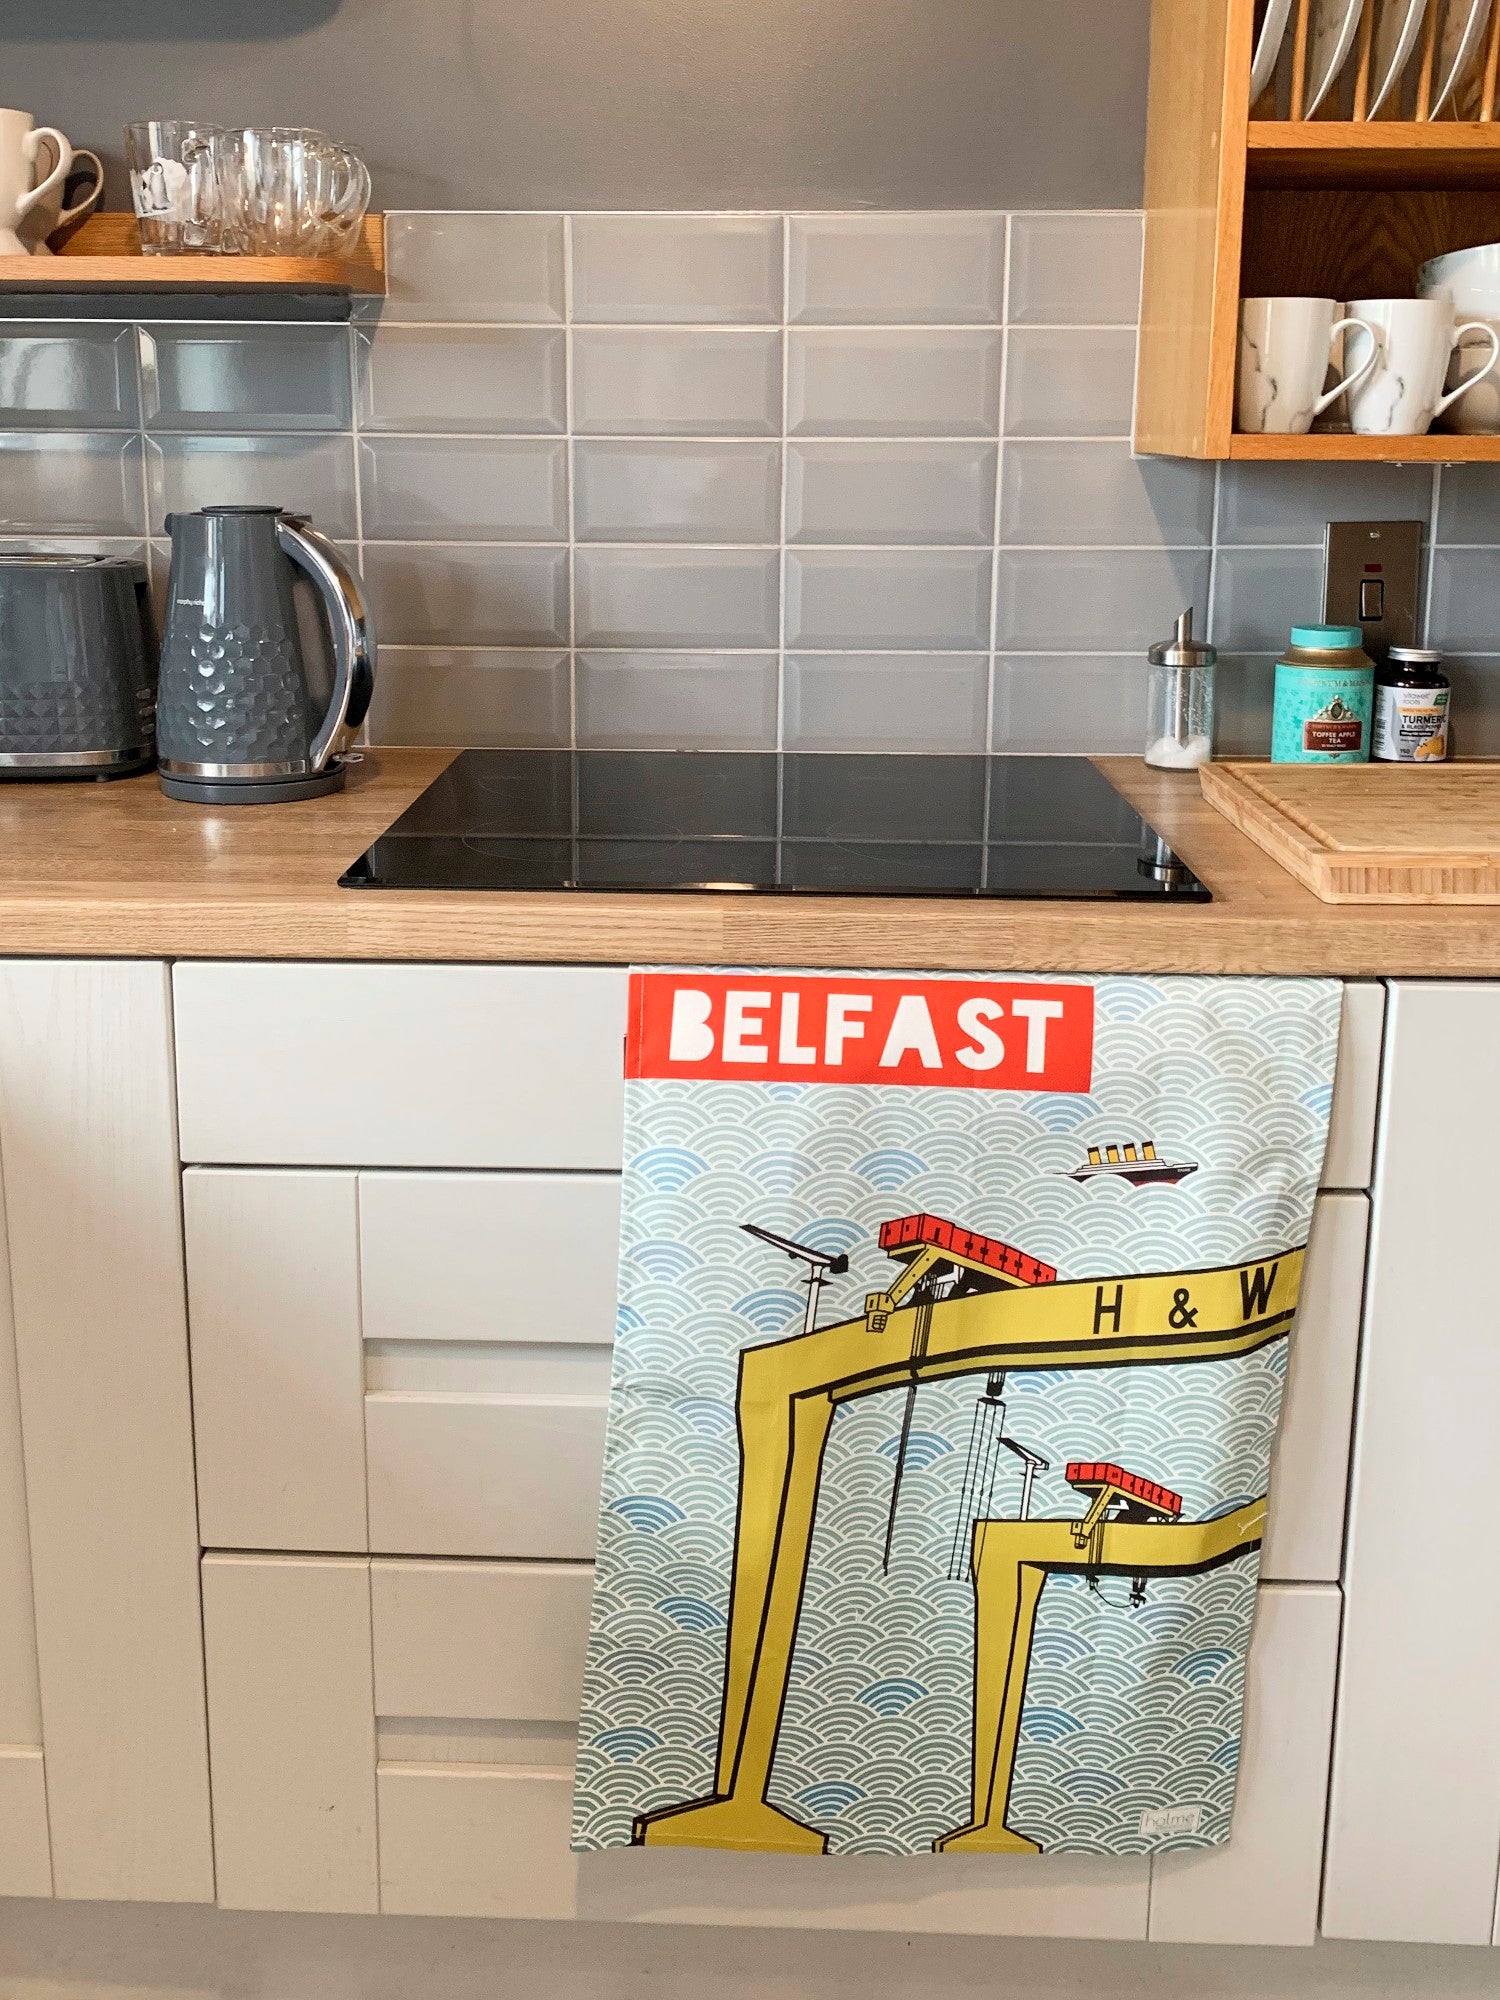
[
  {"x": 781, "y": 557},
  {"x": 571, "y": 475},
  {"x": 993, "y": 671}
]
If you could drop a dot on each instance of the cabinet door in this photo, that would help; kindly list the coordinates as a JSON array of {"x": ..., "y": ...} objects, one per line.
[
  {"x": 1262, "y": 1888},
  {"x": 1310, "y": 1471},
  {"x": 292, "y": 1724},
  {"x": 278, "y": 1369},
  {"x": 25, "y": 1856},
  {"x": 406, "y": 1363},
  {"x": 93, "y": 1215},
  {"x": 1414, "y": 1829}
]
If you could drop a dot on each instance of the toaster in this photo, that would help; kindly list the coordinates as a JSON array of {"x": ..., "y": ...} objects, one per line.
[{"x": 78, "y": 662}]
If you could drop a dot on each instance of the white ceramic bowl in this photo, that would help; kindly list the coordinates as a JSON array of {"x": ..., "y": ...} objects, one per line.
[{"x": 1461, "y": 274}]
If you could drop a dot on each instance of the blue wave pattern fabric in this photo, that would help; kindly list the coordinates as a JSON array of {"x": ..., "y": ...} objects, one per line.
[{"x": 1193, "y": 1149}]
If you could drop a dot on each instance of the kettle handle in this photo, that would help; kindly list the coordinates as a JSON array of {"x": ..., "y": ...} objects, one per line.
[{"x": 349, "y": 622}]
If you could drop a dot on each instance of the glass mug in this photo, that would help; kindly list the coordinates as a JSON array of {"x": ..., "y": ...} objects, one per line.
[
  {"x": 174, "y": 183},
  {"x": 289, "y": 191}
]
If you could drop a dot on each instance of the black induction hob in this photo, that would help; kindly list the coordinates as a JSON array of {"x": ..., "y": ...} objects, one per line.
[{"x": 795, "y": 823}]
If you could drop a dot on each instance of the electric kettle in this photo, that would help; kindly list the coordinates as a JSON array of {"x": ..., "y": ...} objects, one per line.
[{"x": 255, "y": 704}]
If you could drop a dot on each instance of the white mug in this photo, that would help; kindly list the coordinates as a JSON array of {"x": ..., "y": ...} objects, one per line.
[
  {"x": 20, "y": 142},
  {"x": 1285, "y": 349},
  {"x": 49, "y": 215},
  {"x": 1414, "y": 338}
]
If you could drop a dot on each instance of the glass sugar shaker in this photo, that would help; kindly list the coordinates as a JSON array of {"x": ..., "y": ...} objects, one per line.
[{"x": 1180, "y": 700}]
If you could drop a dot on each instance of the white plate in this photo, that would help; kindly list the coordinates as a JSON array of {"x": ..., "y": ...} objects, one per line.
[
  {"x": 1397, "y": 26},
  {"x": 1334, "y": 25},
  {"x": 1459, "y": 42},
  {"x": 1268, "y": 47}
]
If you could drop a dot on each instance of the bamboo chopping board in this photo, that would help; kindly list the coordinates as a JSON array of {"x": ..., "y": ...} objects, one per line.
[{"x": 1371, "y": 833}]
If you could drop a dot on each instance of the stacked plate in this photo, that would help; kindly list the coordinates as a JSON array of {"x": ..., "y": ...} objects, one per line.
[{"x": 1333, "y": 27}]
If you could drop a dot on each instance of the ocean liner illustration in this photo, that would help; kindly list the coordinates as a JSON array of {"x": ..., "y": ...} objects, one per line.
[{"x": 1137, "y": 1164}]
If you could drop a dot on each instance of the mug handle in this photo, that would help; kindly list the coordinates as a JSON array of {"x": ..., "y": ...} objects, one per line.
[
  {"x": 91, "y": 200},
  {"x": 1473, "y": 382},
  {"x": 1351, "y": 381},
  {"x": 31, "y": 146}
]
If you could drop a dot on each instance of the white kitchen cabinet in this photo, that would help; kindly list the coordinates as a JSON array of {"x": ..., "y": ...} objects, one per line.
[
  {"x": 96, "y": 1287},
  {"x": 336, "y": 1411},
  {"x": 1350, "y": 1159},
  {"x": 1262, "y": 1888},
  {"x": 401, "y": 1065},
  {"x": 25, "y": 1852},
  {"x": 1414, "y": 1826}
]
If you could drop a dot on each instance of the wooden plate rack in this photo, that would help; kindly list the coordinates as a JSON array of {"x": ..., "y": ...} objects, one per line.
[{"x": 1250, "y": 201}]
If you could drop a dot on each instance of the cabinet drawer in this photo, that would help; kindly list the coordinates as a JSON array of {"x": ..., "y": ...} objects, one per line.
[
  {"x": 518, "y": 1257},
  {"x": 1310, "y": 1471},
  {"x": 400, "y": 1065},
  {"x": 473, "y": 1639},
  {"x": 478, "y": 1475}
]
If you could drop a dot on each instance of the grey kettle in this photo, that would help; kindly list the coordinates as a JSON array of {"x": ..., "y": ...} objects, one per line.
[{"x": 241, "y": 718}]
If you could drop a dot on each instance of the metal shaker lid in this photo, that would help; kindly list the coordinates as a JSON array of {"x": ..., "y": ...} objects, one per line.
[{"x": 1182, "y": 649}]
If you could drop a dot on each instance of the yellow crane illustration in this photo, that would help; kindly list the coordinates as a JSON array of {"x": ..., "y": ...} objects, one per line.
[{"x": 963, "y": 1304}]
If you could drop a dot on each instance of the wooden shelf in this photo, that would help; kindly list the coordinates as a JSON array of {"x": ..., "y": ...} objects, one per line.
[
  {"x": 1335, "y": 153},
  {"x": 1320, "y": 447},
  {"x": 104, "y": 255}
]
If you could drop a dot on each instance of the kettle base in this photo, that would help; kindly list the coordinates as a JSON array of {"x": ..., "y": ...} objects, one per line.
[{"x": 252, "y": 792}]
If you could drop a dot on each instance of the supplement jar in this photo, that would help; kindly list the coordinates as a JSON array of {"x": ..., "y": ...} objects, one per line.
[{"x": 1411, "y": 708}]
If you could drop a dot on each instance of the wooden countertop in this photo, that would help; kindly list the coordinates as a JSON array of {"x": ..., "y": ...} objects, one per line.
[{"x": 116, "y": 870}]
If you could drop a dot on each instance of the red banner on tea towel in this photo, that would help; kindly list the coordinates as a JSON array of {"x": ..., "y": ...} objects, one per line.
[{"x": 764, "y": 1027}]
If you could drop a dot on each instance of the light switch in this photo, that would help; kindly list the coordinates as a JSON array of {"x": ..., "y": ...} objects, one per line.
[{"x": 1372, "y": 578}]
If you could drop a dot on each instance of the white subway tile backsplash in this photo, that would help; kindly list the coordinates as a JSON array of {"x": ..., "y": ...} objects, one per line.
[
  {"x": 73, "y": 482},
  {"x": 1093, "y": 600},
  {"x": 682, "y": 701},
  {"x": 671, "y": 382},
  {"x": 307, "y": 473},
  {"x": 428, "y": 694},
  {"x": 589, "y": 508},
  {"x": 886, "y": 701},
  {"x": 462, "y": 378},
  {"x": 1289, "y": 504},
  {"x": 695, "y": 598},
  {"x": 698, "y": 270},
  {"x": 1260, "y": 594},
  {"x": 1066, "y": 492},
  {"x": 1069, "y": 381},
  {"x": 892, "y": 383},
  {"x": 71, "y": 375},
  {"x": 934, "y": 600},
  {"x": 1075, "y": 270},
  {"x": 244, "y": 378},
  {"x": 890, "y": 492},
  {"x": 900, "y": 270},
  {"x": 475, "y": 266},
  {"x": 1054, "y": 704},
  {"x": 468, "y": 596},
  {"x": 1465, "y": 607},
  {"x": 450, "y": 489},
  {"x": 655, "y": 491}
]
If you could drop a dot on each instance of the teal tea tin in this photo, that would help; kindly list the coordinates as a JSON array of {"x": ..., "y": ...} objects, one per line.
[{"x": 1325, "y": 692}]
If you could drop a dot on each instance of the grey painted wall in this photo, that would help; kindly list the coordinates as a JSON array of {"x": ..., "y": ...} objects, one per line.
[{"x": 628, "y": 103}]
